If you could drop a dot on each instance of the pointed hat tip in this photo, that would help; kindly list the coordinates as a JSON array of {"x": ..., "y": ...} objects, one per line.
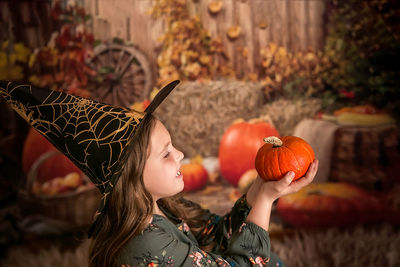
[{"x": 159, "y": 98}]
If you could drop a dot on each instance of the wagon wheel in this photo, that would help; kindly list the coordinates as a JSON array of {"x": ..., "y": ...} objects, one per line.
[{"x": 123, "y": 75}]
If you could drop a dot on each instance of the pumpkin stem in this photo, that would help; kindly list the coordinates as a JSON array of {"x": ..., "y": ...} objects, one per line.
[{"x": 274, "y": 141}]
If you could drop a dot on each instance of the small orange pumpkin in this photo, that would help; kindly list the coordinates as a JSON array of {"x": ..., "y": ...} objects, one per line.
[
  {"x": 279, "y": 156},
  {"x": 195, "y": 176}
]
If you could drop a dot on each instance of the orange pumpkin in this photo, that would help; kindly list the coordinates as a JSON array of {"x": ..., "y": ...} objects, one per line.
[
  {"x": 57, "y": 166},
  {"x": 239, "y": 146},
  {"x": 329, "y": 204},
  {"x": 279, "y": 156},
  {"x": 195, "y": 176}
]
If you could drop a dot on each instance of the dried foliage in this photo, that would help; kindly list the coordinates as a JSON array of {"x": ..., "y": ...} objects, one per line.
[
  {"x": 62, "y": 62},
  {"x": 14, "y": 60},
  {"x": 293, "y": 74},
  {"x": 189, "y": 52},
  {"x": 363, "y": 43}
]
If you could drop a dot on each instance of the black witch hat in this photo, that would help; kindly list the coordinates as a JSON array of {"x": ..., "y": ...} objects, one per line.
[{"x": 95, "y": 136}]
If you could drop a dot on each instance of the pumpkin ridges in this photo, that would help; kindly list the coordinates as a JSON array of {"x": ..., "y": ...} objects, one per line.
[
  {"x": 269, "y": 157},
  {"x": 288, "y": 155},
  {"x": 297, "y": 169},
  {"x": 309, "y": 150},
  {"x": 262, "y": 160},
  {"x": 302, "y": 154},
  {"x": 259, "y": 159},
  {"x": 275, "y": 158}
]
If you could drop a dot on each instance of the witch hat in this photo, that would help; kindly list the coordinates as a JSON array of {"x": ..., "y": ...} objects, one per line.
[{"x": 96, "y": 137}]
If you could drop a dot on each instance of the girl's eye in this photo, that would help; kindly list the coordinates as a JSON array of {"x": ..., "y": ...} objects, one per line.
[{"x": 166, "y": 155}]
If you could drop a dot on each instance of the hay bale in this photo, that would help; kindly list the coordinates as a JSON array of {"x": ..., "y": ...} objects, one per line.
[
  {"x": 197, "y": 114},
  {"x": 286, "y": 114}
]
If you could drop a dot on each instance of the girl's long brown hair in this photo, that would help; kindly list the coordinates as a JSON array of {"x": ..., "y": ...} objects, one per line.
[{"x": 130, "y": 206}]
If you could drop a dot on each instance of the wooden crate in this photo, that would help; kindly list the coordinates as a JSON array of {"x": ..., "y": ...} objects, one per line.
[{"x": 367, "y": 156}]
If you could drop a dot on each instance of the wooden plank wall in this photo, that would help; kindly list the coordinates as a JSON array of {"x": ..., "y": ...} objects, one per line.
[
  {"x": 25, "y": 21},
  {"x": 294, "y": 24}
]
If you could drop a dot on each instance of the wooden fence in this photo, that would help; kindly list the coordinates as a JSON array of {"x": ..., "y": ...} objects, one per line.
[
  {"x": 293, "y": 24},
  {"x": 25, "y": 21}
]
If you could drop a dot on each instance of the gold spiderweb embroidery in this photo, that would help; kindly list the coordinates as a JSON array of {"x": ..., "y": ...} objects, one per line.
[{"x": 93, "y": 135}]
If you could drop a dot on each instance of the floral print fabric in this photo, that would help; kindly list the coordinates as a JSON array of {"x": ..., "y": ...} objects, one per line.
[{"x": 238, "y": 243}]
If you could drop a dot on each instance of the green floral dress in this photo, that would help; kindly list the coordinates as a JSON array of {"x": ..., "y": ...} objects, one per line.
[{"x": 169, "y": 242}]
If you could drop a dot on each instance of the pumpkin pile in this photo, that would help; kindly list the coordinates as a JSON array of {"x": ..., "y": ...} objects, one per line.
[
  {"x": 70, "y": 182},
  {"x": 55, "y": 175},
  {"x": 36, "y": 145}
]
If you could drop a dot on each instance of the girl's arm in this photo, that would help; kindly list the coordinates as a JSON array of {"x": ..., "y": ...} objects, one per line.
[{"x": 257, "y": 204}]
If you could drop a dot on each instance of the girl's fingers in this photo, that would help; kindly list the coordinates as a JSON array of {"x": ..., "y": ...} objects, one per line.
[
  {"x": 286, "y": 185},
  {"x": 313, "y": 170},
  {"x": 307, "y": 179},
  {"x": 285, "y": 181}
]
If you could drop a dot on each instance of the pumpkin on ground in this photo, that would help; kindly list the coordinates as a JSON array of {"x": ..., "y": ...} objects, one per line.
[
  {"x": 195, "y": 175},
  {"x": 239, "y": 145},
  {"x": 36, "y": 145},
  {"x": 329, "y": 204},
  {"x": 279, "y": 156}
]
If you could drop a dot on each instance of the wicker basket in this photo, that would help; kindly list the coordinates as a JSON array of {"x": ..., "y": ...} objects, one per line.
[
  {"x": 367, "y": 156},
  {"x": 74, "y": 208}
]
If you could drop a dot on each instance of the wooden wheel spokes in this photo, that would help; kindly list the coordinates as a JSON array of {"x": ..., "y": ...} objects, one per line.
[{"x": 123, "y": 75}]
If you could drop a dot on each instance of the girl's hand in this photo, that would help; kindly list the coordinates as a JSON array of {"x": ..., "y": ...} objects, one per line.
[
  {"x": 285, "y": 186},
  {"x": 262, "y": 194}
]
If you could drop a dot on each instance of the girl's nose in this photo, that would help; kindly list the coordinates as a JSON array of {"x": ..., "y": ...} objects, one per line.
[{"x": 180, "y": 155}]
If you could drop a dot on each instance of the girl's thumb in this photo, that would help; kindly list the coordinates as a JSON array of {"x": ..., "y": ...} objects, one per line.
[{"x": 289, "y": 177}]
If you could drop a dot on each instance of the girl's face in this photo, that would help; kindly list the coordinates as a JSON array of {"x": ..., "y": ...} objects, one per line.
[{"x": 161, "y": 174}]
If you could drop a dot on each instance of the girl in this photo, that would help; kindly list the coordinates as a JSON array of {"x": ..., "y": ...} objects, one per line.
[
  {"x": 142, "y": 220},
  {"x": 147, "y": 224}
]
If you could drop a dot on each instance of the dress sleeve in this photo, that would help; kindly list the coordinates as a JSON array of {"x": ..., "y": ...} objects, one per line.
[
  {"x": 219, "y": 229},
  {"x": 249, "y": 246}
]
